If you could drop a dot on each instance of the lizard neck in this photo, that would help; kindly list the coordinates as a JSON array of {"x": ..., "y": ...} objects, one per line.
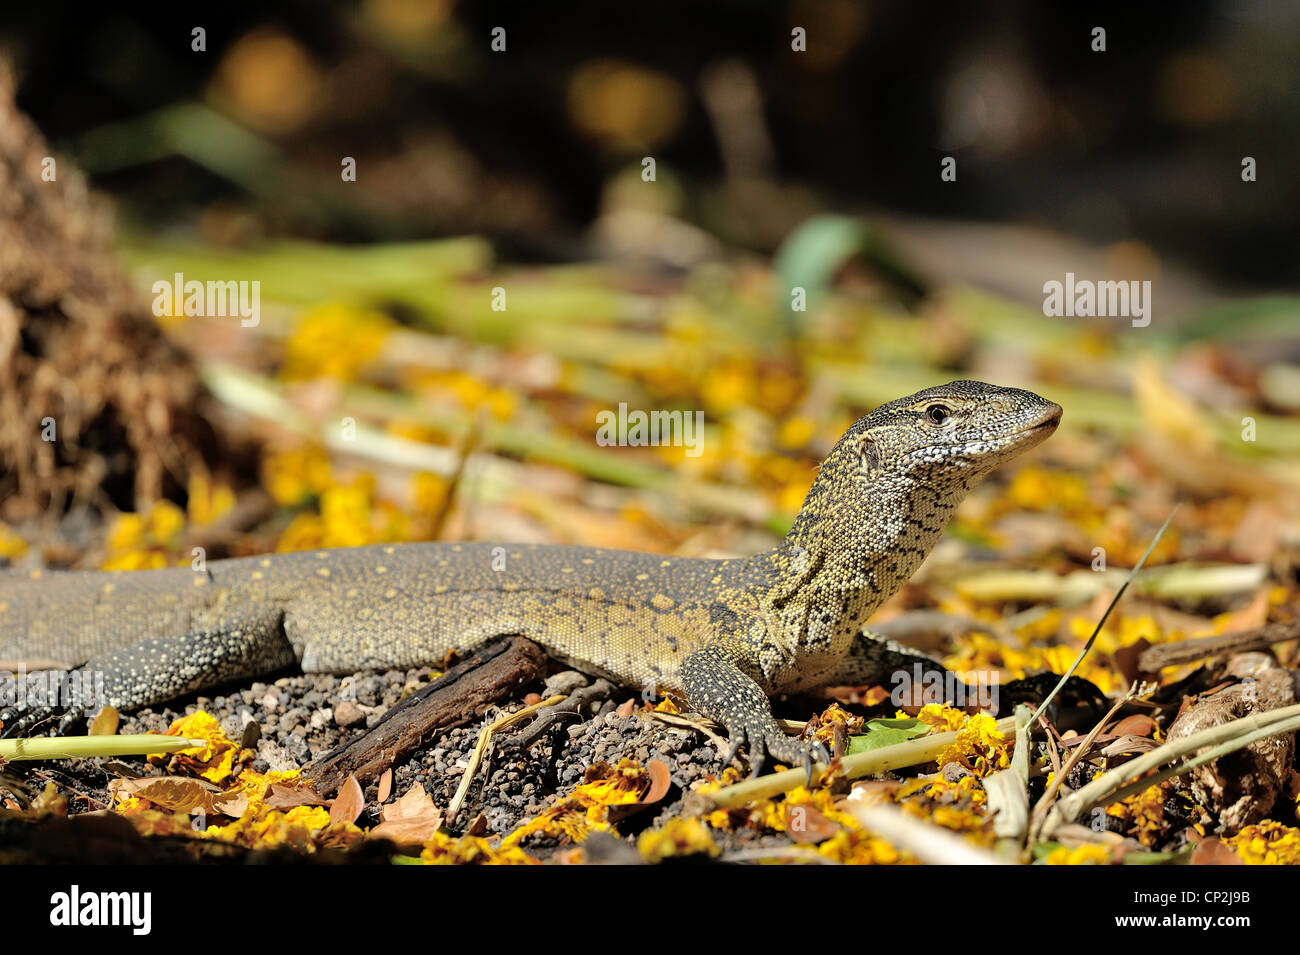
[
  {"x": 846, "y": 554},
  {"x": 877, "y": 507}
]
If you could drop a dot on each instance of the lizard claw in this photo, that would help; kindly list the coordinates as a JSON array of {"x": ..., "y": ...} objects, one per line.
[
  {"x": 739, "y": 736},
  {"x": 73, "y": 716},
  {"x": 814, "y": 749},
  {"x": 765, "y": 741},
  {"x": 810, "y": 753},
  {"x": 735, "y": 739},
  {"x": 18, "y": 718}
]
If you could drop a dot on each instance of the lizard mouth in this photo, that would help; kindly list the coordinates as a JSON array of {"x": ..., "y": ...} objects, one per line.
[{"x": 1047, "y": 421}]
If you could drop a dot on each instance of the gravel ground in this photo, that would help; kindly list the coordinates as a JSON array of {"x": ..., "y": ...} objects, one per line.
[{"x": 304, "y": 716}]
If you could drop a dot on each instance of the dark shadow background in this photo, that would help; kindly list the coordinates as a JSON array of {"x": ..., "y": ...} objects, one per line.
[{"x": 1144, "y": 140}]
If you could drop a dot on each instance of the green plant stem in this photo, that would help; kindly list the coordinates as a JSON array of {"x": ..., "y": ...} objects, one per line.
[
  {"x": 69, "y": 747},
  {"x": 911, "y": 753}
]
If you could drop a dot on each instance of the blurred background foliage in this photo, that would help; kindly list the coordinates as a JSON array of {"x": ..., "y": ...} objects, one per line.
[{"x": 1141, "y": 142}]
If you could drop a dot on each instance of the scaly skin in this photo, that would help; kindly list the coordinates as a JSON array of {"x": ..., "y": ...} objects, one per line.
[{"x": 726, "y": 633}]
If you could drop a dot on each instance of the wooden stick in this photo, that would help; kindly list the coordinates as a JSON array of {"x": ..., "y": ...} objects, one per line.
[
  {"x": 490, "y": 674},
  {"x": 1185, "y": 651}
]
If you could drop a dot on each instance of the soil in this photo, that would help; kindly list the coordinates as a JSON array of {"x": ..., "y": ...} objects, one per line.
[{"x": 298, "y": 719}]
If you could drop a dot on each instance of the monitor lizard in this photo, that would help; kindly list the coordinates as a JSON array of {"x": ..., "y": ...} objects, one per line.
[{"x": 726, "y": 633}]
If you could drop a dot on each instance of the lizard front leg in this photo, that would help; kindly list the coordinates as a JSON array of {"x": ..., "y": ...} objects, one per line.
[{"x": 719, "y": 689}]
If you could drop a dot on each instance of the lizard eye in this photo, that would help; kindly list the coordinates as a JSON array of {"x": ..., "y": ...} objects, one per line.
[{"x": 937, "y": 414}]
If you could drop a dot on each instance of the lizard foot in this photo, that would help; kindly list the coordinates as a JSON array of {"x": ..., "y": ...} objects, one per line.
[
  {"x": 33, "y": 710},
  {"x": 18, "y": 719},
  {"x": 720, "y": 690},
  {"x": 764, "y": 739}
]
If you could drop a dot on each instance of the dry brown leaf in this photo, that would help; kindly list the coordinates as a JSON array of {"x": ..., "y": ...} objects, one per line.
[
  {"x": 661, "y": 779},
  {"x": 1126, "y": 659},
  {"x": 1213, "y": 851},
  {"x": 179, "y": 794},
  {"x": 805, "y": 824},
  {"x": 1252, "y": 616},
  {"x": 105, "y": 722},
  {"x": 349, "y": 803},
  {"x": 1138, "y": 724},
  {"x": 1257, "y": 534},
  {"x": 414, "y": 803},
  {"x": 1240, "y": 787},
  {"x": 1128, "y": 745},
  {"x": 873, "y": 791},
  {"x": 289, "y": 795},
  {"x": 412, "y": 819}
]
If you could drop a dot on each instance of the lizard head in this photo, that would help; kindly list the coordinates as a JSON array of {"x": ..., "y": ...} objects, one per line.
[
  {"x": 885, "y": 492},
  {"x": 903, "y": 468},
  {"x": 949, "y": 435}
]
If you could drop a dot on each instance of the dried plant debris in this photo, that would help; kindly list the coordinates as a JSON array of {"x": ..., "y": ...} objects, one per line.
[
  {"x": 97, "y": 409},
  {"x": 620, "y": 775},
  {"x": 1240, "y": 788}
]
